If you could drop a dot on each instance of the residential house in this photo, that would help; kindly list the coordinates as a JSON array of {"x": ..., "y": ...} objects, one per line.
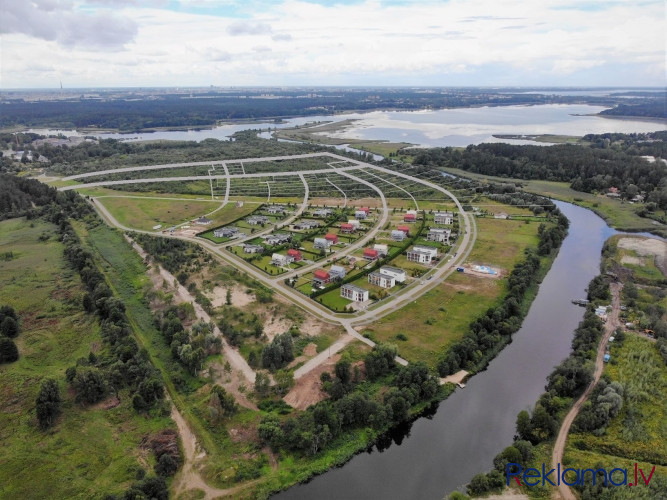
[
  {"x": 276, "y": 209},
  {"x": 370, "y": 254},
  {"x": 405, "y": 229},
  {"x": 441, "y": 235},
  {"x": 354, "y": 293},
  {"x": 307, "y": 225},
  {"x": 382, "y": 280},
  {"x": 397, "y": 235},
  {"x": 333, "y": 238},
  {"x": 203, "y": 221},
  {"x": 258, "y": 220},
  {"x": 322, "y": 212},
  {"x": 337, "y": 272},
  {"x": 398, "y": 274},
  {"x": 321, "y": 278},
  {"x": 501, "y": 215},
  {"x": 281, "y": 260},
  {"x": 295, "y": 254},
  {"x": 443, "y": 217},
  {"x": 411, "y": 218},
  {"x": 253, "y": 248},
  {"x": 422, "y": 254},
  {"x": 322, "y": 244},
  {"x": 383, "y": 250},
  {"x": 226, "y": 232},
  {"x": 277, "y": 238},
  {"x": 346, "y": 228},
  {"x": 360, "y": 215},
  {"x": 355, "y": 223}
]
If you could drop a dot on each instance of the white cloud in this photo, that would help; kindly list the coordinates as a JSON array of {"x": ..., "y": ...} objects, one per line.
[{"x": 296, "y": 42}]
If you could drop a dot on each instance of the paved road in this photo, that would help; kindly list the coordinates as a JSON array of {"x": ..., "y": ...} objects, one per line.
[
  {"x": 559, "y": 447},
  {"x": 465, "y": 244}
]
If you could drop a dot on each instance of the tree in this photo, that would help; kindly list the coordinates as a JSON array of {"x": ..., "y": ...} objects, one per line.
[
  {"x": 523, "y": 426},
  {"x": 228, "y": 297},
  {"x": 9, "y": 327},
  {"x": 8, "y": 350},
  {"x": 90, "y": 385},
  {"x": 48, "y": 403},
  {"x": 166, "y": 465}
]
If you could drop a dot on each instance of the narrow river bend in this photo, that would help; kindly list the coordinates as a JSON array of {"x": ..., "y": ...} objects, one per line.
[{"x": 441, "y": 453}]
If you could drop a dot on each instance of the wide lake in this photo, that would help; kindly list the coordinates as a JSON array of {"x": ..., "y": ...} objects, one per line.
[{"x": 445, "y": 127}]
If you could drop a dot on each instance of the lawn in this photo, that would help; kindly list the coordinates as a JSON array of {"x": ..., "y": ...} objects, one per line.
[
  {"x": 500, "y": 242},
  {"x": 438, "y": 318},
  {"x": 620, "y": 215},
  {"x": 144, "y": 213},
  {"x": 90, "y": 451}
]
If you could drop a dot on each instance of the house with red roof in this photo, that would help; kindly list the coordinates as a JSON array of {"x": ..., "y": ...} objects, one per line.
[
  {"x": 370, "y": 254},
  {"x": 346, "y": 228},
  {"x": 405, "y": 229},
  {"x": 321, "y": 277},
  {"x": 333, "y": 238},
  {"x": 409, "y": 217},
  {"x": 295, "y": 254}
]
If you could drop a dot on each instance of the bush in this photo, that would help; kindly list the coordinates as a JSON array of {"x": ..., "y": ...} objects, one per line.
[
  {"x": 9, "y": 327},
  {"x": 8, "y": 350},
  {"x": 48, "y": 403}
]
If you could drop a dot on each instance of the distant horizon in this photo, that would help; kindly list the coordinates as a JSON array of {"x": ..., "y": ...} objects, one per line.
[{"x": 194, "y": 43}]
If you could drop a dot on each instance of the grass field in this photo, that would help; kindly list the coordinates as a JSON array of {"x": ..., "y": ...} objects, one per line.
[
  {"x": 144, "y": 213},
  {"x": 442, "y": 315},
  {"x": 620, "y": 215},
  {"x": 89, "y": 451}
]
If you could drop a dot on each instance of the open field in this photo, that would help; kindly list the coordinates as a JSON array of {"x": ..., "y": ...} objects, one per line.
[
  {"x": 90, "y": 451},
  {"x": 500, "y": 242},
  {"x": 618, "y": 214}
]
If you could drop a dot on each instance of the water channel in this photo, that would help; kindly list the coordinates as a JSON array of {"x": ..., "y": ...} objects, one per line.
[{"x": 439, "y": 454}]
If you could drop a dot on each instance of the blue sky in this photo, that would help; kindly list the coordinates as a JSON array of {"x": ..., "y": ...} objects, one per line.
[{"x": 323, "y": 42}]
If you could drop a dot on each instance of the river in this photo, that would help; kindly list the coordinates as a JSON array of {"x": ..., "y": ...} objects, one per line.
[{"x": 437, "y": 455}]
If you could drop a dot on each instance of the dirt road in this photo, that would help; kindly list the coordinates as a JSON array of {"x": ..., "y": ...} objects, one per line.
[{"x": 559, "y": 447}]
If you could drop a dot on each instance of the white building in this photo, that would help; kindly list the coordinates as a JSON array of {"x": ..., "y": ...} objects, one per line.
[
  {"x": 398, "y": 274},
  {"x": 253, "y": 248},
  {"x": 422, "y": 255},
  {"x": 276, "y": 209},
  {"x": 225, "y": 232},
  {"x": 382, "y": 280},
  {"x": 397, "y": 235},
  {"x": 337, "y": 272},
  {"x": 281, "y": 260},
  {"x": 441, "y": 235},
  {"x": 321, "y": 244},
  {"x": 322, "y": 212},
  {"x": 355, "y": 223},
  {"x": 443, "y": 217},
  {"x": 382, "y": 249},
  {"x": 360, "y": 214},
  {"x": 354, "y": 293}
]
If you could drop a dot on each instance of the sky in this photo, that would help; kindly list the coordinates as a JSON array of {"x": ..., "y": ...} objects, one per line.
[{"x": 139, "y": 43}]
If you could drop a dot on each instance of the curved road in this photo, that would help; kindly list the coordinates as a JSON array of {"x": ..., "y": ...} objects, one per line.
[{"x": 559, "y": 447}]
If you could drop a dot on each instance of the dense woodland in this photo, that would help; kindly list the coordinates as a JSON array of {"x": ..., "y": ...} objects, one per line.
[
  {"x": 613, "y": 160},
  {"x": 129, "y": 111}
]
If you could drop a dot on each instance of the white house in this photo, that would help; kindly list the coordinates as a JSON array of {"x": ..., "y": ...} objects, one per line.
[
  {"x": 354, "y": 293},
  {"x": 277, "y": 238},
  {"x": 276, "y": 209},
  {"x": 257, "y": 220},
  {"x": 355, "y": 223},
  {"x": 281, "y": 260},
  {"x": 253, "y": 248},
  {"x": 382, "y": 280},
  {"x": 422, "y": 254},
  {"x": 441, "y": 235},
  {"x": 321, "y": 244},
  {"x": 397, "y": 235},
  {"x": 360, "y": 214},
  {"x": 322, "y": 212},
  {"x": 398, "y": 274},
  {"x": 382, "y": 249},
  {"x": 337, "y": 272},
  {"x": 443, "y": 217}
]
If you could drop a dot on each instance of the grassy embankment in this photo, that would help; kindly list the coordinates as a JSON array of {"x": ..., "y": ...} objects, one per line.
[
  {"x": 618, "y": 214},
  {"x": 89, "y": 450},
  {"x": 442, "y": 315}
]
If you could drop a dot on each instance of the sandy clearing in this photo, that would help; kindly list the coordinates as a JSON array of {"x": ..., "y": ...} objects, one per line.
[
  {"x": 308, "y": 389},
  {"x": 629, "y": 259},
  {"x": 647, "y": 247},
  {"x": 273, "y": 327},
  {"x": 457, "y": 378},
  {"x": 240, "y": 298}
]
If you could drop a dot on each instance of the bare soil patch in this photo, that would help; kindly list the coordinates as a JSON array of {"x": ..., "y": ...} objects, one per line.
[
  {"x": 276, "y": 327},
  {"x": 647, "y": 247},
  {"x": 308, "y": 389},
  {"x": 234, "y": 383},
  {"x": 629, "y": 259},
  {"x": 239, "y": 296}
]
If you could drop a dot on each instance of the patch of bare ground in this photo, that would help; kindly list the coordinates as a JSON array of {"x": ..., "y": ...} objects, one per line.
[
  {"x": 647, "y": 247},
  {"x": 276, "y": 327},
  {"x": 239, "y": 297},
  {"x": 308, "y": 389},
  {"x": 233, "y": 382},
  {"x": 107, "y": 404}
]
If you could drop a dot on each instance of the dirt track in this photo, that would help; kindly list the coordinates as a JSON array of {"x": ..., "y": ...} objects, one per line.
[{"x": 559, "y": 446}]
